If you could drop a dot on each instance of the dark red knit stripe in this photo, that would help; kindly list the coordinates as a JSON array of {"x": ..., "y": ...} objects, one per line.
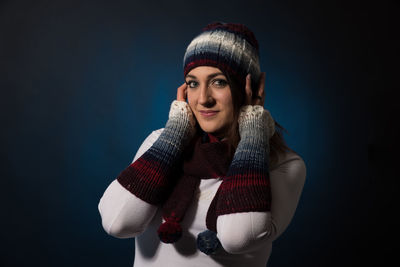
[
  {"x": 151, "y": 169},
  {"x": 229, "y": 185},
  {"x": 244, "y": 199},
  {"x": 208, "y": 62},
  {"x": 146, "y": 180},
  {"x": 252, "y": 174},
  {"x": 244, "y": 192}
]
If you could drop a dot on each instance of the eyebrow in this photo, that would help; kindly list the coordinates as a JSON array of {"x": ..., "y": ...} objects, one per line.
[{"x": 212, "y": 75}]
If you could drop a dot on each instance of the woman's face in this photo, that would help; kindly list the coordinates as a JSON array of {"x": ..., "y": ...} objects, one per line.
[{"x": 209, "y": 97}]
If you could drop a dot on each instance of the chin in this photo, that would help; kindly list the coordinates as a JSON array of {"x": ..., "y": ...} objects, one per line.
[
  {"x": 209, "y": 128},
  {"x": 212, "y": 129}
]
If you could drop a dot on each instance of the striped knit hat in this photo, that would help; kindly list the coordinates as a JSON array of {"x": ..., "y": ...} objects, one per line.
[{"x": 231, "y": 47}]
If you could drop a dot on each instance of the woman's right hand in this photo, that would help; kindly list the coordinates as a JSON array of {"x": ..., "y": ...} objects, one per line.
[
  {"x": 181, "y": 94},
  {"x": 181, "y": 105}
]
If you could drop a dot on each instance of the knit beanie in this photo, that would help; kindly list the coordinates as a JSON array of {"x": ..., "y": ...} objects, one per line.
[{"x": 231, "y": 47}]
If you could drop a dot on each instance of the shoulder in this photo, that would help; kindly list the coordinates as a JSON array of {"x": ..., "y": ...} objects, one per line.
[
  {"x": 148, "y": 142},
  {"x": 153, "y": 136},
  {"x": 291, "y": 165}
]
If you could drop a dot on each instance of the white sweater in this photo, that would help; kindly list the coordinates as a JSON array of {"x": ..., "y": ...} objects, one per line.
[{"x": 246, "y": 237}]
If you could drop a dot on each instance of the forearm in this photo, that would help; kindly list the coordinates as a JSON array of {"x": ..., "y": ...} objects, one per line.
[
  {"x": 246, "y": 186},
  {"x": 117, "y": 205},
  {"x": 244, "y": 201},
  {"x": 131, "y": 201},
  {"x": 148, "y": 177}
]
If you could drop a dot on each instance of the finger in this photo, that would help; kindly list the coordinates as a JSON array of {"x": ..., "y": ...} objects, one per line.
[
  {"x": 248, "y": 90},
  {"x": 181, "y": 92}
]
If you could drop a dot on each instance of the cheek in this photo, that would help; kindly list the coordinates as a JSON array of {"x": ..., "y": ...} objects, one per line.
[
  {"x": 191, "y": 100},
  {"x": 228, "y": 106},
  {"x": 226, "y": 101}
]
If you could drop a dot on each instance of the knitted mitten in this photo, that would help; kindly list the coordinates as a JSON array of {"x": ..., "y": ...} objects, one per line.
[
  {"x": 246, "y": 186},
  {"x": 148, "y": 177}
]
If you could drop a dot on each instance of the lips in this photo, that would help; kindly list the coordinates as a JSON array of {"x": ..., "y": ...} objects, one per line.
[{"x": 208, "y": 113}]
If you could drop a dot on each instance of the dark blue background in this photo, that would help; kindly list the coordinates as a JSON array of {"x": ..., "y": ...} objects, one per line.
[{"x": 84, "y": 82}]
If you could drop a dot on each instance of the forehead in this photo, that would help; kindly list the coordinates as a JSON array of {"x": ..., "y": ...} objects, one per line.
[{"x": 204, "y": 71}]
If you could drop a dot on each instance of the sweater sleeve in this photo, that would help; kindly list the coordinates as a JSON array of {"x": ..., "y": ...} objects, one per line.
[
  {"x": 150, "y": 176},
  {"x": 130, "y": 202},
  {"x": 124, "y": 215},
  {"x": 272, "y": 195},
  {"x": 243, "y": 232}
]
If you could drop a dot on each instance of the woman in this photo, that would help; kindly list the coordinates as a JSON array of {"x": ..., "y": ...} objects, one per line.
[{"x": 217, "y": 185}]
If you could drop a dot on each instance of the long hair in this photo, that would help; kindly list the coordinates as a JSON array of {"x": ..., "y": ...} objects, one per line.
[{"x": 277, "y": 142}]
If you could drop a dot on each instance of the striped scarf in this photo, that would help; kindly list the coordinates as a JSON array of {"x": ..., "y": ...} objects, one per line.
[{"x": 169, "y": 173}]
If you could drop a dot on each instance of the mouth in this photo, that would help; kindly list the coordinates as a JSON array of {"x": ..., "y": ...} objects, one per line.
[{"x": 208, "y": 113}]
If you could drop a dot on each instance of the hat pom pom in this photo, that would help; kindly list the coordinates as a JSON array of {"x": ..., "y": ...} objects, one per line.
[
  {"x": 208, "y": 242},
  {"x": 169, "y": 232}
]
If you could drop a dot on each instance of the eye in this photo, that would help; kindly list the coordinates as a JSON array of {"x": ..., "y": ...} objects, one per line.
[
  {"x": 221, "y": 83},
  {"x": 192, "y": 84}
]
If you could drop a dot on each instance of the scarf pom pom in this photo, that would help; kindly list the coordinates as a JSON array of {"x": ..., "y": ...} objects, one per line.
[
  {"x": 169, "y": 232},
  {"x": 208, "y": 242}
]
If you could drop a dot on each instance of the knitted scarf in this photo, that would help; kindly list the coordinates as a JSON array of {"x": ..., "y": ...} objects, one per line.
[
  {"x": 206, "y": 158},
  {"x": 160, "y": 178}
]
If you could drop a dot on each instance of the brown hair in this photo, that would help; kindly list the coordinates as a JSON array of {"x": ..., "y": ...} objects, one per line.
[{"x": 277, "y": 143}]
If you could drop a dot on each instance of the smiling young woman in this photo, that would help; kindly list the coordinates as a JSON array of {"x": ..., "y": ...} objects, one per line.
[
  {"x": 209, "y": 97},
  {"x": 217, "y": 185}
]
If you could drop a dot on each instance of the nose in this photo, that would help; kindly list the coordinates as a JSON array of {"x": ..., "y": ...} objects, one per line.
[{"x": 205, "y": 97}]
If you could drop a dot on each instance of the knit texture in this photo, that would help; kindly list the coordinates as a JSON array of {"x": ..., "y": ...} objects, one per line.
[
  {"x": 231, "y": 47},
  {"x": 205, "y": 158},
  {"x": 148, "y": 177},
  {"x": 246, "y": 186},
  {"x": 208, "y": 242},
  {"x": 161, "y": 176}
]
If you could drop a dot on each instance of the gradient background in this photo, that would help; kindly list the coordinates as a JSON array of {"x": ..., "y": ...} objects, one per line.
[{"x": 84, "y": 82}]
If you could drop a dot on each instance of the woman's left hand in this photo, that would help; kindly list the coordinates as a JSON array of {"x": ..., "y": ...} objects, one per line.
[{"x": 259, "y": 98}]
